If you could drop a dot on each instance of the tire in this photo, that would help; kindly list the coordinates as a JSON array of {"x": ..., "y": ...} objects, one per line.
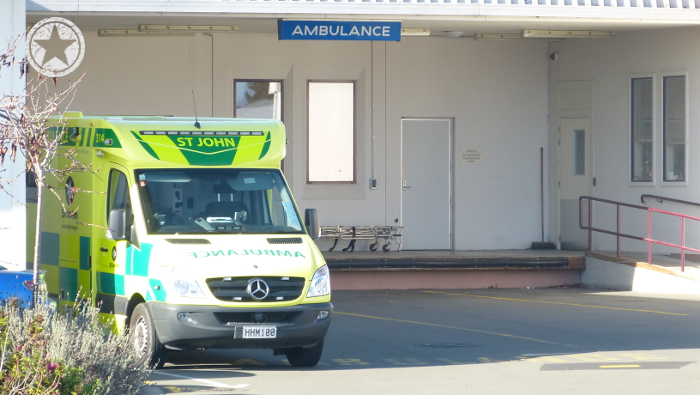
[
  {"x": 145, "y": 340},
  {"x": 304, "y": 357}
]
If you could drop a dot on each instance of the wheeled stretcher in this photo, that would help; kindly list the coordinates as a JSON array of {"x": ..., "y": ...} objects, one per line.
[{"x": 383, "y": 234}]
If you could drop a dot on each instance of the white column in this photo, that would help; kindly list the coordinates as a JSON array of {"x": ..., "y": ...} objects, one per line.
[{"x": 13, "y": 220}]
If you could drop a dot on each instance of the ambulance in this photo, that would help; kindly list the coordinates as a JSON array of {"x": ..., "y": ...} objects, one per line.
[{"x": 186, "y": 236}]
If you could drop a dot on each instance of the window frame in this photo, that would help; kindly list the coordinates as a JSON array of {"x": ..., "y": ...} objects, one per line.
[
  {"x": 112, "y": 190},
  {"x": 280, "y": 81},
  {"x": 631, "y": 141},
  {"x": 662, "y": 128},
  {"x": 281, "y": 119},
  {"x": 579, "y": 159},
  {"x": 354, "y": 132}
]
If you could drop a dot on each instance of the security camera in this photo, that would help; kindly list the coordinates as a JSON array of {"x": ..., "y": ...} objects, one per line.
[{"x": 554, "y": 56}]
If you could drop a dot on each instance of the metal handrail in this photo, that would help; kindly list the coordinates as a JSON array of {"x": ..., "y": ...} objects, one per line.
[
  {"x": 649, "y": 240},
  {"x": 661, "y": 199}
]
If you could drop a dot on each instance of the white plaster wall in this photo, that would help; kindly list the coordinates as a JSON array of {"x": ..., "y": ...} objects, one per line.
[
  {"x": 610, "y": 63},
  {"x": 262, "y": 56},
  {"x": 12, "y": 210},
  {"x": 495, "y": 91},
  {"x": 144, "y": 76}
]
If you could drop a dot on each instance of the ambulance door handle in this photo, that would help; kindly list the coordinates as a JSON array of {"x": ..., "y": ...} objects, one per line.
[
  {"x": 405, "y": 186},
  {"x": 102, "y": 249}
]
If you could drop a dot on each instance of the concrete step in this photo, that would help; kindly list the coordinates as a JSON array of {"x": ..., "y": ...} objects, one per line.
[
  {"x": 454, "y": 270},
  {"x": 451, "y": 263}
]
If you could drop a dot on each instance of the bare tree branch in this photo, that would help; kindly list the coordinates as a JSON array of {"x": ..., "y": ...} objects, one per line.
[{"x": 32, "y": 127}]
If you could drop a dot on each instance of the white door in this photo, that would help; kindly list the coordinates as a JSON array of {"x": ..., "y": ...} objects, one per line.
[
  {"x": 426, "y": 168},
  {"x": 574, "y": 180}
]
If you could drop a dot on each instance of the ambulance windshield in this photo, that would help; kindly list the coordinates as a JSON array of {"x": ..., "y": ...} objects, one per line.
[{"x": 185, "y": 201}]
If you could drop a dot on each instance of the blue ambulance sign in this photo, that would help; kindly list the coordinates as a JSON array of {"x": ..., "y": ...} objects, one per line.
[{"x": 339, "y": 30}]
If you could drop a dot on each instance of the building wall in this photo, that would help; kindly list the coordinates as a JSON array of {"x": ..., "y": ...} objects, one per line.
[
  {"x": 609, "y": 64},
  {"x": 12, "y": 211},
  {"x": 144, "y": 76},
  {"x": 496, "y": 93}
]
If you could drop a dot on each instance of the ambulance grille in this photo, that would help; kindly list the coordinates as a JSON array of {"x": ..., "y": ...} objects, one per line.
[
  {"x": 284, "y": 240},
  {"x": 188, "y": 241},
  {"x": 270, "y": 317},
  {"x": 234, "y": 289}
]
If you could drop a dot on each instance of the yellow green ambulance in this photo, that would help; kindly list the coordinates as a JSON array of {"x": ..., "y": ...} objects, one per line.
[{"x": 187, "y": 236}]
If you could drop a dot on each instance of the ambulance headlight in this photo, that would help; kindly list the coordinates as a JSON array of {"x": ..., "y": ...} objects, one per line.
[
  {"x": 320, "y": 283},
  {"x": 180, "y": 283}
]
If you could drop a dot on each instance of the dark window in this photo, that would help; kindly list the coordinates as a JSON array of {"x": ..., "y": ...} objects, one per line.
[
  {"x": 674, "y": 128},
  {"x": 642, "y": 129}
]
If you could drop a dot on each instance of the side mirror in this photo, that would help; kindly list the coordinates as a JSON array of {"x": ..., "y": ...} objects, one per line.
[
  {"x": 313, "y": 226},
  {"x": 117, "y": 224}
]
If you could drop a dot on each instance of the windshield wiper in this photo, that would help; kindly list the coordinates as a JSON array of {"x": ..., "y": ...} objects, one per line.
[
  {"x": 194, "y": 232},
  {"x": 199, "y": 232},
  {"x": 282, "y": 232}
]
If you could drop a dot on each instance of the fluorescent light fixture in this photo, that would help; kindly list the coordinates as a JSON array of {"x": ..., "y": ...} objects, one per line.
[
  {"x": 121, "y": 33},
  {"x": 454, "y": 34},
  {"x": 188, "y": 28},
  {"x": 497, "y": 36},
  {"x": 415, "y": 32},
  {"x": 567, "y": 34},
  {"x": 165, "y": 30}
]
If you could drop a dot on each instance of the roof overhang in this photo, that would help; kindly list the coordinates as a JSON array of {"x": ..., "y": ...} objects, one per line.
[{"x": 258, "y": 16}]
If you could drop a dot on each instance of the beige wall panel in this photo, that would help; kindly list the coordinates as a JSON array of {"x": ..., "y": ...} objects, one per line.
[
  {"x": 262, "y": 56},
  {"x": 497, "y": 93},
  {"x": 610, "y": 64},
  {"x": 144, "y": 76}
]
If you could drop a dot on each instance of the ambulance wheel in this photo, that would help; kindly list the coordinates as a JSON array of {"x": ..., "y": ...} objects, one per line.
[
  {"x": 145, "y": 340},
  {"x": 304, "y": 357}
]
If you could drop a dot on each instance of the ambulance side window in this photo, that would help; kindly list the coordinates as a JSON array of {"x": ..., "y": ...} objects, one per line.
[
  {"x": 118, "y": 196},
  {"x": 118, "y": 201}
]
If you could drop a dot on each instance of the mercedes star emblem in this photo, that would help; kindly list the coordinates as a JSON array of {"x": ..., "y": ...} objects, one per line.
[{"x": 258, "y": 289}]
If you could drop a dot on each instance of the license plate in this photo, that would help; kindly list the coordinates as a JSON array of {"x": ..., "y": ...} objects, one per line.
[{"x": 259, "y": 332}]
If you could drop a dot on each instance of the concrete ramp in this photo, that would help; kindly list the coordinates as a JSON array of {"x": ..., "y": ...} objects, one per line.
[{"x": 631, "y": 273}]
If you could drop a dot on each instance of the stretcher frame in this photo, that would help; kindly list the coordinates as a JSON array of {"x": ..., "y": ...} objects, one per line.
[{"x": 387, "y": 234}]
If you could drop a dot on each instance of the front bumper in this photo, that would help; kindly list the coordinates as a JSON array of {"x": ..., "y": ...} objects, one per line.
[{"x": 222, "y": 327}]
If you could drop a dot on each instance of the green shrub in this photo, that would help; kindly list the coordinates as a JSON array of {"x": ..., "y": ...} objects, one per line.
[{"x": 43, "y": 352}]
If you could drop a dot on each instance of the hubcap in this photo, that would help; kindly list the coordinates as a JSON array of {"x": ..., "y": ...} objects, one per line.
[{"x": 141, "y": 336}]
